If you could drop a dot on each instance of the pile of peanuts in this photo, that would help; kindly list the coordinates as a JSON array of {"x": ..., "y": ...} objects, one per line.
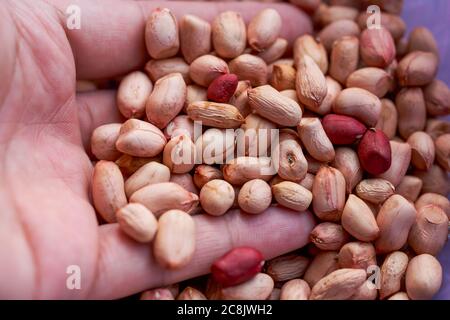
[{"x": 359, "y": 142}]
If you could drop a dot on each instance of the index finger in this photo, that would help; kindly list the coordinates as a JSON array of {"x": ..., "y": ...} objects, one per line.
[
  {"x": 126, "y": 267},
  {"x": 110, "y": 41}
]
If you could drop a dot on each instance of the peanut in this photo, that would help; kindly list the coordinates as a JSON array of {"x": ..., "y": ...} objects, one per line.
[
  {"x": 179, "y": 154},
  {"x": 174, "y": 243},
  {"x": 108, "y": 191},
  {"x": 401, "y": 154},
  {"x": 338, "y": 285},
  {"x": 215, "y": 146},
  {"x": 423, "y": 277},
  {"x": 258, "y": 288},
  {"x": 237, "y": 266},
  {"x": 358, "y": 103},
  {"x": 387, "y": 121},
  {"x": 375, "y": 190},
  {"x": 393, "y": 23},
  {"x": 296, "y": 289},
  {"x": 435, "y": 199},
  {"x": 357, "y": 255},
  {"x": 310, "y": 83},
  {"x": 287, "y": 267},
  {"x": 328, "y": 194},
  {"x": 337, "y": 30},
  {"x": 434, "y": 180},
  {"x": 367, "y": 291},
  {"x": 152, "y": 172},
  {"x": 103, "y": 142},
  {"x": 409, "y": 188},
  {"x": 399, "y": 296},
  {"x": 377, "y": 47},
  {"x": 229, "y": 35},
  {"x": 292, "y": 195},
  {"x": 257, "y": 136},
  {"x": 417, "y": 68},
  {"x": 219, "y": 115},
  {"x": 343, "y": 129},
  {"x": 195, "y": 37},
  {"x": 270, "y": 104},
  {"x": 180, "y": 125},
  {"x": 437, "y": 98},
  {"x": 263, "y": 29},
  {"x": 161, "y": 34},
  {"x": 395, "y": 219},
  {"x": 160, "y": 197},
  {"x": 274, "y": 51},
  {"x": 307, "y": 45},
  {"x": 157, "y": 294},
  {"x": 206, "y": 68},
  {"x": 333, "y": 90},
  {"x": 186, "y": 181},
  {"x": 346, "y": 161},
  {"x": 374, "y": 152},
  {"x": 222, "y": 88},
  {"x": 329, "y": 236},
  {"x": 358, "y": 220},
  {"x": 292, "y": 164},
  {"x": 443, "y": 151},
  {"x": 429, "y": 233},
  {"x": 164, "y": 104},
  {"x": 251, "y": 68},
  {"x": 421, "y": 39},
  {"x": 194, "y": 93},
  {"x": 411, "y": 111},
  {"x": 205, "y": 173},
  {"x": 393, "y": 270},
  {"x": 283, "y": 77},
  {"x": 129, "y": 164},
  {"x": 157, "y": 69},
  {"x": 323, "y": 264},
  {"x": 141, "y": 139},
  {"x": 344, "y": 58},
  {"x": 374, "y": 80},
  {"x": 240, "y": 98},
  {"x": 315, "y": 139},
  {"x": 137, "y": 222},
  {"x": 255, "y": 196},
  {"x": 190, "y": 293},
  {"x": 216, "y": 197},
  {"x": 329, "y": 14},
  {"x": 133, "y": 93}
]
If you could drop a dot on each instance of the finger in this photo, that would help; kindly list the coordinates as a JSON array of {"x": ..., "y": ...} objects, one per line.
[
  {"x": 95, "y": 109},
  {"x": 126, "y": 267},
  {"x": 111, "y": 39}
]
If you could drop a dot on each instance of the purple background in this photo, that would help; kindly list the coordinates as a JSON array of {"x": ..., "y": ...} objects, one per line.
[{"x": 435, "y": 14}]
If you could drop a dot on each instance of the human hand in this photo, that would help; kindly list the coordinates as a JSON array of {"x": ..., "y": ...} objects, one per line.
[{"x": 47, "y": 221}]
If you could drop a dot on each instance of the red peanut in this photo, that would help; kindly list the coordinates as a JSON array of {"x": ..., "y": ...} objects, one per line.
[{"x": 237, "y": 266}]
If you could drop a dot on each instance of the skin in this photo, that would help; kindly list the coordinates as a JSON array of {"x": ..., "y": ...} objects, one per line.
[{"x": 47, "y": 221}]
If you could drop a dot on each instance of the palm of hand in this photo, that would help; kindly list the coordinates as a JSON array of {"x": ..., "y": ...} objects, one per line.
[
  {"x": 44, "y": 166},
  {"x": 47, "y": 222}
]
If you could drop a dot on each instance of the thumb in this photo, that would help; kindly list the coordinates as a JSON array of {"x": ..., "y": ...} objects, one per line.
[{"x": 111, "y": 39}]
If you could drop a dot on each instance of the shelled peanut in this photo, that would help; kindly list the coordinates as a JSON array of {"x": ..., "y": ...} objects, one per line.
[{"x": 345, "y": 127}]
